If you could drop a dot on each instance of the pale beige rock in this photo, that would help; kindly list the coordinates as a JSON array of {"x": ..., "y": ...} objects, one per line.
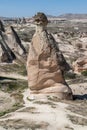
[
  {"x": 80, "y": 65},
  {"x": 45, "y": 64},
  {"x": 12, "y": 39}
]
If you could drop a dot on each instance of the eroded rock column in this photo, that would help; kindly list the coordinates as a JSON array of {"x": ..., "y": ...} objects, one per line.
[{"x": 44, "y": 64}]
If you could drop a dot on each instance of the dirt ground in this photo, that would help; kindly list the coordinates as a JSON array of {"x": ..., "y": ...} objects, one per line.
[{"x": 44, "y": 114}]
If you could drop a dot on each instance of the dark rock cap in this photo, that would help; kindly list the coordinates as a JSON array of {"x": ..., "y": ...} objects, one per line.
[{"x": 40, "y": 19}]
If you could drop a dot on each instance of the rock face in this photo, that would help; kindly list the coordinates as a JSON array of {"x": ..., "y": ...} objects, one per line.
[
  {"x": 80, "y": 65},
  {"x": 44, "y": 64},
  {"x": 13, "y": 41},
  {"x": 2, "y": 26},
  {"x": 6, "y": 54},
  {"x": 11, "y": 47}
]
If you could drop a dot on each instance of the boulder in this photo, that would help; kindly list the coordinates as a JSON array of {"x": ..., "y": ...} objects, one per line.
[
  {"x": 45, "y": 63},
  {"x": 80, "y": 65}
]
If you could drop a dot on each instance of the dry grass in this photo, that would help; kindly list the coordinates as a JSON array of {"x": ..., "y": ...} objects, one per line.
[{"x": 78, "y": 120}]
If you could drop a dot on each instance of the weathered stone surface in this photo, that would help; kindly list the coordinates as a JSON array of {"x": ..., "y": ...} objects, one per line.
[
  {"x": 2, "y": 26},
  {"x": 11, "y": 47},
  {"x": 13, "y": 41},
  {"x": 44, "y": 64},
  {"x": 6, "y": 54},
  {"x": 80, "y": 65}
]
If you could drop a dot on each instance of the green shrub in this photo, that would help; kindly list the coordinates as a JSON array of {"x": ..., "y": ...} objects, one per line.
[
  {"x": 70, "y": 75},
  {"x": 84, "y": 73},
  {"x": 13, "y": 85}
]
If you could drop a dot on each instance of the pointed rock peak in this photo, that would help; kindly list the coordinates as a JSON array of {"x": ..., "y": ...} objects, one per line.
[
  {"x": 2, "y": 26},
  {"x": 12, "y": 28},
  {"x": 13, "y": 38}
]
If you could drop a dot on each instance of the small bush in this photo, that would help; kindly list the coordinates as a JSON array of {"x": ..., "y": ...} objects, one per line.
[
  {"x": 84, "y": 73},
  {"x": 69, "y": 75},
  {"x": 79, "y": 45},
  {"x": 13, "y": 85}
]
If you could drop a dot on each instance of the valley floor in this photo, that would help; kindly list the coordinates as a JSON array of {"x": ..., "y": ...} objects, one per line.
[{"x": 46, "y": 114}]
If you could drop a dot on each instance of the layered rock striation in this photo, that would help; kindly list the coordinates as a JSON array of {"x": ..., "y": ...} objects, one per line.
[
  {"x": 46, "y": 64},
  {"x": 80, "y": 65}
]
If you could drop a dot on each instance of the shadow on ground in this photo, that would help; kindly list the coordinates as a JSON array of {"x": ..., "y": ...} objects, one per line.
[{"x": 80, "y": 97}]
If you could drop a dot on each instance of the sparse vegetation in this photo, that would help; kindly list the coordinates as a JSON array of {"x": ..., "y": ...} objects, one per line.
[
  {"x": 26, "y": 35},
  {"x": 84, "y": 73},
  {"x": 14, "y": 85},
  {"x": 79, "y": 45},
  {"x": 69, "y": 128},
  {"x": 69, "y": 75},
  {"x": 14, "y": 108},
  {"x": 78, "y": 120},
  {"x": 14, "y": 68},
  {"x": 42, "y": 102},
  {"x": 24, "y": 124}
]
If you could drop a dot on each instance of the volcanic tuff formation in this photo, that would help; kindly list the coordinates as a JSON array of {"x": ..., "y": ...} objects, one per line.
[
  {"x": 14, "y": 41},
  {"x": 11, "y": 46},
  {"x": 45, "y": 64}
]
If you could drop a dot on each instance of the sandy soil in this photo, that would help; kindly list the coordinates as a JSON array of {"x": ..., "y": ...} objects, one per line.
[
  {"x": 45, "y": 114},
  {"x": 6, "y": 102}
]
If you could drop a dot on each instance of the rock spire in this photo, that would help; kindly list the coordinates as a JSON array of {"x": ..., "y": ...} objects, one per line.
[{"x": 45, "y": 63}]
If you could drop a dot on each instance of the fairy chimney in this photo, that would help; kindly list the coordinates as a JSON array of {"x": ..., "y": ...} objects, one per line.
[
  {"x": 13, "y": 41},
  {"x": 44, "y": 63}
]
